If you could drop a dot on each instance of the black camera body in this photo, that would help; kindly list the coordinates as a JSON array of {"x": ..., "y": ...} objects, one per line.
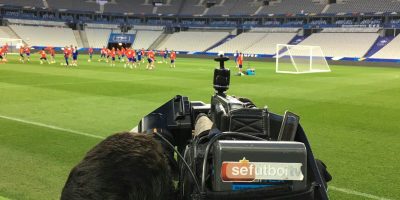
[{"x": 234, "y": 150}]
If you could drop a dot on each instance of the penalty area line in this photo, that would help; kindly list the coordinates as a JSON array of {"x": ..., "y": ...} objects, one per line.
[
  {"x": 51, "y": 127},
  {"x": 356, "y": 193}
]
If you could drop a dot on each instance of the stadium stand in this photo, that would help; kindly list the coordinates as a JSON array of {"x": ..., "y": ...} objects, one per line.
[
  {"x": 171, "y": 8},
  {"x": 222, "y": 7},
  {"x": 390, "y": 51},
  {"x": 45, "y": 36},
  {"x": 4, "y": 33},
  {"x": 193, "y": 40},
  {"x": 32, "y": 3},
  {"x": 97, "y": 37},
  {"x": 192, "y": 7},
  {"x": 82, "y": 5},
  {"x": 128, "y": 6},
  {"x": 145, "y": 38},
  {"x": 267, "y": 45},
  {"x": 245, "y": 7},
  {"x": 240, "y": 42},
  {"x": 342, "y": 44},
  {"x": 292, "y": 6},
  {"x": 354, "y": 6}
]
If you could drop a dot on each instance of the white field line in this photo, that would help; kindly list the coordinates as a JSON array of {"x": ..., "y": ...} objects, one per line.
[
  {"x": 356, "y": 193},
  {"x": 343, "y": 190},
  {"x": 52, "y": 127}
]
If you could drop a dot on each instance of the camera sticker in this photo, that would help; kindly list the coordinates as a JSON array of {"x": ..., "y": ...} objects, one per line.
[{"x": 246, "y": 171}]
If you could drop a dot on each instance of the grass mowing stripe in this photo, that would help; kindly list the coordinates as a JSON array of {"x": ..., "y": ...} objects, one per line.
[
  {"x": 352, "y": 192},
  {"x": 3, "y": 198},
  {"x": 51, "y": 127}
]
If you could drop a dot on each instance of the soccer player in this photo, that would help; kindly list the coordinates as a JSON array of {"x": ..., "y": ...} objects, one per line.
[
  {"x": 236, "y": 58},
  {"x": 173, "y": 58},
  {"x": 74, "y": 56},
  {"x": 5, "y": 50},
  {"x": 90, "y": 51},
  {"x": 162, "y": 54},
  {"x": 3, "y": 59},
  {"x": 143, "y": 52},
  {"x": 240, "y": 63},
  {"x": 67, "y": 53},
  {"x": 165, "y": 55},
  {"x": 119, "y": 53},
  {"x": 135, "y": 61},
  {"x": 123, "y": 52},
  {"x": 112, "y": 54},
  {"x": 130, "y": 55},
  {"x": 139, "y": 56},
  {"x": 21, "y": 54},
  {"x": 52, "y": 53},
  {"x": 43, "y": 56},
  {"x": 103, "y": 53},
  {"x": 28, "y": 52},
  {"x": 108, "y": 53},
  {"x": 150, "y": 59}
]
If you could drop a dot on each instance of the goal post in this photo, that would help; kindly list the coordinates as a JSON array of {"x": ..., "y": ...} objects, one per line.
[
  {"x": 13, "y": 44},
  {"x": 300, "y": 59}
]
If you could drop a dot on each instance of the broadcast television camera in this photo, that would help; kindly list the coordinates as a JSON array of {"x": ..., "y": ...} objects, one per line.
[{"x": 233, "y": 150}]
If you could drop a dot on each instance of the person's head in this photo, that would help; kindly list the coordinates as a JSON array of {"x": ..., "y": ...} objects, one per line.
[
  {"x": 130, "y": 166},
  {"x": 43, "y": 49}
]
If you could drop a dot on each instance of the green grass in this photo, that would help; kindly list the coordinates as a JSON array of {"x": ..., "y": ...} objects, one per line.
[{"x": 351, "y": 117}]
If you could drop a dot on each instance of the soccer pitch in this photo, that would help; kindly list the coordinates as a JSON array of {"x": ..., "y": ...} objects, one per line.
[{"x": 50, "y": 116}]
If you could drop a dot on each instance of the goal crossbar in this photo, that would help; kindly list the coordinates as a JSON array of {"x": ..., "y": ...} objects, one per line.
[{"x": 300, "y": 59}]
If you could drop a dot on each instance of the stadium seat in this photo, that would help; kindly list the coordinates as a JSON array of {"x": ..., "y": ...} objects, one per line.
[
  {"x": 45, "y": 36},
  {"x": 97, "y": 37},
  {"x": 342, "y": 44},
  {"x": 193, "y": 40},
  {"x": 144, "y": 39}
]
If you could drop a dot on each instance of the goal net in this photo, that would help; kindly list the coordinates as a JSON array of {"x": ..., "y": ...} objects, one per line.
[
  {"x": 13, "y": 44},
  {"x": 298, "y": 59}
]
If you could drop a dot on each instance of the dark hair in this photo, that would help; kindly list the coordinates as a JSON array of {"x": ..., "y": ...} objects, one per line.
[{"x": 129, "y": 166}]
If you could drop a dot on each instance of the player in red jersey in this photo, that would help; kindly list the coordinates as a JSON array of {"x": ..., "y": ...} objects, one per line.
[
  {"x": 21, "y": 54},
  {"x": 43, "y": 56},
  {"x": 103, "y": 53},
  {"x": 150, "y": 59},
  {"x": 27, "y": 51},
  {"x": 67, "y": 54},
  {"x": 130, "y": 58},
  {"x": 123, "y": 52},
  {"x": 2, "y": 56},
  {"x": 90, "y": 51},
  {"x": 112, "y": 55},
  {"x": 5, "y": 50},
  {"x": 52, "y": 53},
  {"x": 108, "y": 53},
  {"x": 173, "y": 58}
]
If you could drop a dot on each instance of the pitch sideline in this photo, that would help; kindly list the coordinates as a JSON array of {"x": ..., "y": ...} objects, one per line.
[{"x": 343, "y": 190}]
